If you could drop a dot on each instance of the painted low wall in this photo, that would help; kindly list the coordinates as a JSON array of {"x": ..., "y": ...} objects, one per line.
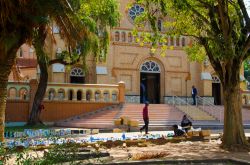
[{"x": 18, "y": 110}]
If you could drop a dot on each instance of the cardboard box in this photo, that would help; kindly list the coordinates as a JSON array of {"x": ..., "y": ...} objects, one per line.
[
  {"x": 117, "y": 130},
  {"x": 190, "y": 133},
  {"x": 205, "y": 133},
  {"x": 95, "y": 131},
  {"x": 117, "y": 122},
  {"x": 195, "y": 133},
  {"x": 125, "y": 120},
  {"x": 134, "y": 123}
]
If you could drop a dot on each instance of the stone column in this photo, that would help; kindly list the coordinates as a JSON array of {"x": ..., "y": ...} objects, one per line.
[
  {"x": 74, "y": 95},
  {"x": 101, "y": 97},
  {"x": 121, "y": 88},
  {"x": 92, "y": 96},
  {"x": 84, "y": 93}
]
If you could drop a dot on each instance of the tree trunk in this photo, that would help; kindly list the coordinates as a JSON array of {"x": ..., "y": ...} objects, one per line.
[
  {"x": 91, "y": 77},
  {"x": 5, "y": 69},
  {"x": 39, "y": 41},
  {"x": 234, "y": 136},
  {"x": 34, "y": 118}
]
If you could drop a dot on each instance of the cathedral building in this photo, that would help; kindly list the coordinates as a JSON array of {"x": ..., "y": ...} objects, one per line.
[{"x": 147, "y": 75}]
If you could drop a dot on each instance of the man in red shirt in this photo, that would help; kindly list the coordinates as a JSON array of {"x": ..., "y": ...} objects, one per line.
[{"x": 145, "y": 118}]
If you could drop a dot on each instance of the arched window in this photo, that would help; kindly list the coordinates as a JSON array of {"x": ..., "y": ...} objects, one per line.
[
  {"x": 130, "y": 37},
  {"x": 77, "y": 76},
  {"x": 172, "y": 41},
  {"x": 135, "y": 10},
  {"x": 21, "y": 52},
  {"x": 117, "y": 36},
  {"x": 150, "y": 66},
  {"x": 123, "y": 37},
  {"x": 51, "y": 94},
  {"x": 215, "y": 79},
  {"x": 183, "y": 41},
  {"x": 106, "y": 96},
  {"x": 77, "y": 72},
  {"x": 61, "y": 94},
  {"x": 177, "y": 41},
  {"x": 12, "y": 93},
  {"x": 97, "y": 95},
  {"x": 23, "y": 93},
  {"x": 71, "y": 94},
  {"x": 31, "y": 52},
  {"x": 79, "y": 95}
]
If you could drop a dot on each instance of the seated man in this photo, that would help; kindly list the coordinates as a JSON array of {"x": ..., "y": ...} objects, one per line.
[
  {"x": 186, "y": 123},
  {"x": 178, "y": 132}
]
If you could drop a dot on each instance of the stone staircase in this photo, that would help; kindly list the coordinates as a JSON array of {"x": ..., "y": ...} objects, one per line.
[
  {"x": 102, "y": 118},
  {"x": 195, "y": 113},
  {"x": 218, "y": 112},
  {"x": 160, "y": 115}
]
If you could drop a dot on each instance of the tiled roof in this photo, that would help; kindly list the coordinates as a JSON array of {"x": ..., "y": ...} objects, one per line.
[{"x": 26, "y": 63}]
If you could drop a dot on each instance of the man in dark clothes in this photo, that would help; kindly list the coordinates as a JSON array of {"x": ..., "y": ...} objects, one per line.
[
  {"x": 194, "y": 94},
  {"x": 178, "y": 132},
  {"x": 145, "y": 118},
  {"x": 185, "y": 122}
]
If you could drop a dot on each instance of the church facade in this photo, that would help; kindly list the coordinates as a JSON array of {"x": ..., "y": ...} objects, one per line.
[{"x": 147, "y": 76}]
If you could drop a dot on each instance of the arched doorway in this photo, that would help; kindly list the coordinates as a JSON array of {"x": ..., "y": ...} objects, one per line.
[
  {"x": 77, "y": 76},
  {"x": 150, "y": 82},
  {"x": 216, "y": 90}
]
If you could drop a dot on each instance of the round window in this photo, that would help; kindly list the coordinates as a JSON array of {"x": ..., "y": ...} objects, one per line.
[{"x": 135, "y": 11}]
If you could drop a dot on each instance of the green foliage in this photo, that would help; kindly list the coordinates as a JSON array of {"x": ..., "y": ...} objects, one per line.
[
  {"x": 61, "y": 153},
  {"x": 195, "y": 52},
  {"x": 98, "y": 16},
  {"x": 198, "y": 20}
]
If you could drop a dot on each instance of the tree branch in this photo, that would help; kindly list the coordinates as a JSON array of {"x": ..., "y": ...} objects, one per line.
[
  {"x": 245, "y": 14},
  {"x": 246, "y": 48},
  {"x": 214, "y": 24},
  {"x": 224, "y": 19},
  {"x": 214, "y": 62},
  {"x": 54, "y": 61}
]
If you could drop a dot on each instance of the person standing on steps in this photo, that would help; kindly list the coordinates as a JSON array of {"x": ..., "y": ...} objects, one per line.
[
  {"x": 194, "y": 94},
  {"x": 145, "y": 118}
]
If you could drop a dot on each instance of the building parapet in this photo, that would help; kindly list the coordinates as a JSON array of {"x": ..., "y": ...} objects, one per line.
[{"x": 69, "y": 92}]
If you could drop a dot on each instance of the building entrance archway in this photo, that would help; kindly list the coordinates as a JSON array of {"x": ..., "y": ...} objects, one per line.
[
  {"x": 150, "y": 82},
  {"x": 216, "y": 90}
]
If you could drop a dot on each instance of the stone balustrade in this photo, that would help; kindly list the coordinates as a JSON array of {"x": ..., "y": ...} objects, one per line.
[
  {"x": 126, "y": 36},
  {"x": 18, "y": 90},
  {"x": 245, "y": 95},
  {"x": 70, "y": 92}
]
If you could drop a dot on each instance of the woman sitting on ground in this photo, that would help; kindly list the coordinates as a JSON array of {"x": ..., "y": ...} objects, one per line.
[
  {"x": 178, "y": 132},
  {"x": 186, "y": 123}
]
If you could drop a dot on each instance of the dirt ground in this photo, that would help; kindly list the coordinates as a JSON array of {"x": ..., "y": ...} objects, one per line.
[
  {"x": 186, "y": 150},
  {"x": 177, "y": 151}
]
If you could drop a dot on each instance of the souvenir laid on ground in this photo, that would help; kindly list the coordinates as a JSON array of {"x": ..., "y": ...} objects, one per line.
[
  {"x": 117, "y": 122},
  {"x": 117, "y": 130},
  {"x": 125, "y": 120},
  {"x": 205, "y": 133},
  {"x": 95, "y": 131},
  {"x": 134, "y": 123},
  {"x": 35, "y": 133}
]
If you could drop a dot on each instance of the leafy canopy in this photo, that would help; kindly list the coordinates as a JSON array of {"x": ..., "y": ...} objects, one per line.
[{"x": 218, "y": 28}]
